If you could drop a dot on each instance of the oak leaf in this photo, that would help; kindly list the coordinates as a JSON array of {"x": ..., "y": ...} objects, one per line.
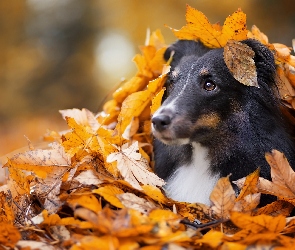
[
  {"x": 134, "y": 167},
  {"x": 213, "y": 36},
  {"x": 238, "y": 58}
]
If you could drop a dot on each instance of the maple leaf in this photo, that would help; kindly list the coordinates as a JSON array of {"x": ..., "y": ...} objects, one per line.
[
  {"x": 281, "y": 172},
  {"x": 223, "y": 198},
  {"x": 134, "y": 167},
  {"x": 82, "y": 117},
  {"x": 213, "y": 36},
  {"x": 238, "y": 58}
]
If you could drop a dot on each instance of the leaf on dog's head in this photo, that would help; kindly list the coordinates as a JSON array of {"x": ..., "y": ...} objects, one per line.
[{"x": 238, "y": 57}]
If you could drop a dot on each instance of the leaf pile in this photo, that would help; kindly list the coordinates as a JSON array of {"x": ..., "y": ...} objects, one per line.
[{"x": 93, "y": 187}]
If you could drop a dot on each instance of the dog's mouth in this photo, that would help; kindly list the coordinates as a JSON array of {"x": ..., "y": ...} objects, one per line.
[{"x": 169, "y": 138}]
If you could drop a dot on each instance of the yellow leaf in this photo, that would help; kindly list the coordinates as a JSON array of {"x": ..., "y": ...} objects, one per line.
[
  {"x": 88, "y": 201},
  {"x": 238, "y": 58},
  {"x": 199, "y": 28},
  {"x": 212, "y": 238},
  {"x": 154, "y": 193},
  {"x": 109, "y": 193}
]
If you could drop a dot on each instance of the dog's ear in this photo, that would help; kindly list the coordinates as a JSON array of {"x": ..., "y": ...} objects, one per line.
[
  {"x": 183, "y": 48},
  {"x": 264, "y": 62}
]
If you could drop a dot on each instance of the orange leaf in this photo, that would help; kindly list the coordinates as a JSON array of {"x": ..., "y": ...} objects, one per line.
[
  {"x": 223, "y": 198},
  {"x": 250, "y": 185},
  {"x": 9, "y": 235},
  {"x": 88, "y": 201},
  {"x": 259, "y": 223},
  {"x": 199, "y": 28},
  {"x": 154, "y": 193}
]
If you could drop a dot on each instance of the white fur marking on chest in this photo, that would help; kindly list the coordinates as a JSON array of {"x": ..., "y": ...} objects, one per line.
[{"x": 193, "y": 182}]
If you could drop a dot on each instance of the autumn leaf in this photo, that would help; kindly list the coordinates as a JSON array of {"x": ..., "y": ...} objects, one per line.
[
  {"x": 134, "y": 167},
  {"x": 238, "y": 58},
  {"x": 281, "y": 172},
  {"x": 130, "y": 200},
  {"x": 259, "y": 223},
  {"x": 82, "y": 117},
  {"x": 223, "y": 198},
  {"x": 213, "y": 36},
  {"x": 250, "y": 185},
  {"x": 110, "y": 193},
  {"x": 42, "y": 162}
]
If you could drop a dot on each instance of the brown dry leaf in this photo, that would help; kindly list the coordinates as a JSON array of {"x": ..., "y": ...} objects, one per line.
[
  {"x": 281, "y": 172},
  {"x": 110, "y": 193},
  {"x": 248, "y": 203},
  {"x": 223, "y": 198},
  {"x": 260, "y": 223},
  {"x": 130, "y": 200},
  {"x": 250, "y": 185},
  {"x": 134, "y": 167},
  {"x": 199, "y": 28},
  {"x": 238, "y": 58},
  {"x": 34, "y": 245}
]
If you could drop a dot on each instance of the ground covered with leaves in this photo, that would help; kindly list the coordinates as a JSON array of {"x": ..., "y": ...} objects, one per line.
[{"x": 94, "y": 188}]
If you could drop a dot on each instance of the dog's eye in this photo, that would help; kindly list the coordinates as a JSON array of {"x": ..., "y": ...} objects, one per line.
[{"x": 209, "y": 85}]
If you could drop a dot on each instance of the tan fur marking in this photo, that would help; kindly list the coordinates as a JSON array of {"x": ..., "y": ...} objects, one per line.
[{"x": 208, "y": 120}]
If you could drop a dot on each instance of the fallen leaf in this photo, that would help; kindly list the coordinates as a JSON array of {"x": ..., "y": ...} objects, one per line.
[
  {"x": 260, "y": 223},
  {"x": 88, "y": 177},
  {"x": 130, "y": 200},
  {"x": 82, "y": 117},
  {"x": 9, "y": 235},
  {"x": 134, "y": 167},
  {"x": 281, "y": 172},
  {"x": 238, "y": 58},
  {"x": 223, "y": 198},
  {"x": 110, "y": 194},
  {"x": 250, "y": 185}
]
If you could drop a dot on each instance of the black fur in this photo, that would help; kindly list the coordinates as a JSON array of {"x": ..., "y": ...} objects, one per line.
[{"x": 246, "y": 121}]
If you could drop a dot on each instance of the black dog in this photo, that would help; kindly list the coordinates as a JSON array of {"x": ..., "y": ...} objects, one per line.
[{"x": 210, "y": 125}]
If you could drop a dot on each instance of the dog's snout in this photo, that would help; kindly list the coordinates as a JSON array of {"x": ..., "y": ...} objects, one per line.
[{"x": 161, "y": 122}]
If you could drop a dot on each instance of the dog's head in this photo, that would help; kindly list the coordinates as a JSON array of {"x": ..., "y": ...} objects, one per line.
[{"x": 202, "y": 97}]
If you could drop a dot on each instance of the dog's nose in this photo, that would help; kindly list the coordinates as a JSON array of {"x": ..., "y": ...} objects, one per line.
[{"x": 161, "y": 122}]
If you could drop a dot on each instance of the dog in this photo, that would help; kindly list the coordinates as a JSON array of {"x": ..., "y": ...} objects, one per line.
[{"x": 209, "y": 125}]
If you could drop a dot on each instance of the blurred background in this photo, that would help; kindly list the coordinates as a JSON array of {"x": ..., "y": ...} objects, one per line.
[{"x": 61, "y": 54}]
